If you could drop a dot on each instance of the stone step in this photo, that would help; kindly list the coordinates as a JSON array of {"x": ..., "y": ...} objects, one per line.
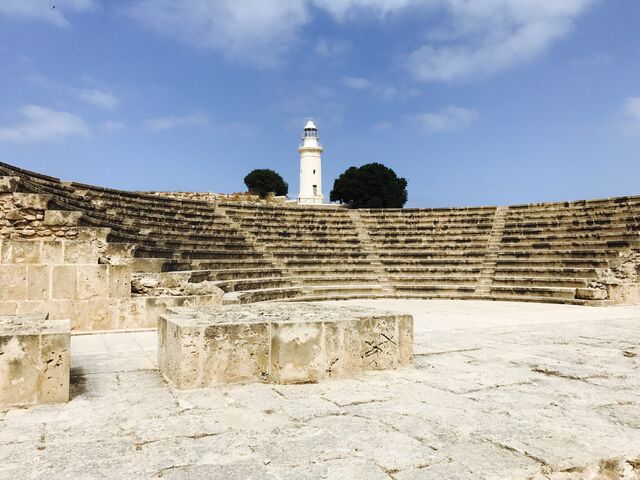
[
  {"x": 444, "y": 261},
  {"x": 445, "y": 269},
  {"x": 535, "y": 291},
  {"x": 432, "y": 280},
  {"x": 408, "y": 254},
  {"x": 546, "y": 272},
  {"x": 553, "y": 263},
  {"x": 502, "y": 280},
  {"x": 216, "y": 265},
  {"x": 570, "y": 230},
  {"x": 442, "y": 290}
]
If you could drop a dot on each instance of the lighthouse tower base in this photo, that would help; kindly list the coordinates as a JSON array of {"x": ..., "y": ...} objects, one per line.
[{"x": 317, "y": 200}]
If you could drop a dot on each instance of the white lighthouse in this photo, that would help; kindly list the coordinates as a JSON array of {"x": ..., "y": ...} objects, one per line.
[{"x": 310, "y": 166}]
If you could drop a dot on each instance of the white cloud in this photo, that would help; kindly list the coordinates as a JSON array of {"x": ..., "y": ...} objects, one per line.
[
  {"x": 632, "y": 114},
  {"x": 473, "y": 37},
  {"x": 332, "y": 48},
  {"x": 381, "y": 92},
  {"x": 357, "y": 83},
  {"x": 382, "y": 126},
  {"x": 41, "y": 123},
  {"x": 448, "y": 119},
  {"x": 248, "y": 31},
  {"x": 43, "y": 10},
  {"x": 98, "y": 98},
  {"x": 112, "y": 126},
  {"x": 169, "y": 123},
  {"x": 489, "y": 36}
]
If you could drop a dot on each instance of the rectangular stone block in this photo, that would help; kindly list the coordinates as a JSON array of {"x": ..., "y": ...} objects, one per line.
[
  {"x": 93, "y": 281},
  {"x": 61, "y": 218},
  {"x": 405, "y": 336},
  {"x": 343, "y": 349},
  {"x": 13, "y": 282},
  {"x": 64, "y": 282},
  {"x": 34, "y": 360},
  {"x": 51, "y": 252},
  {"x": 8, "y": 308},
  {"x": 119, "y": 281},
  {"x": 38, "y": 282},
  {"x": 296, "y": 352},
  {"x": 21, "y": 251},
  {"x": 235, "y": 353},
  {"x": 80, "y": 251},
  {"x": 380, "y": 342},
  {"x": 180, "y": 353},
  {"x": 34, "y": 201},
  {"x": 279, "y": 342}
]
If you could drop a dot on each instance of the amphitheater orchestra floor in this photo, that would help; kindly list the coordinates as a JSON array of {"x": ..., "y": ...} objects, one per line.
[{"x": 498, "y": 391}]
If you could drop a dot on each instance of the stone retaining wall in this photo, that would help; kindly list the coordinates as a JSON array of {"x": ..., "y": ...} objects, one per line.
[
  {"x": 25, "y": 215},
  {"x": 242, "y": 197},
  {"x": 69, "y": 279}
]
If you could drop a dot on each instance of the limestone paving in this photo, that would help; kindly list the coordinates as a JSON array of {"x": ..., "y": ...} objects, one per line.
[{"x": 498, "y": 391}]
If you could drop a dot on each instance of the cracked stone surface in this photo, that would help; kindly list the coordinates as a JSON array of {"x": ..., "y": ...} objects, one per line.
[{"x": 497, "y": 391}]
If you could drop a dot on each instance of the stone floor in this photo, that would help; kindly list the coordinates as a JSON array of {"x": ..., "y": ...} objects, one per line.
[{"x": 498, "y": 391}]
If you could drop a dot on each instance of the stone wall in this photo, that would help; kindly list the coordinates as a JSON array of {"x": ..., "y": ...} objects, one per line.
[
  {"x": 241, "y": 197},
  {"x": 622, "y": 279},
  {"x": 25, "y": 215},
  {"x": 71, "y": 279}
]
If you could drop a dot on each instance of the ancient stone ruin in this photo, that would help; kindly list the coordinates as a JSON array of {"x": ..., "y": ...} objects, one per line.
[
  {"x": 109, "y": 259},
  {"x": 180, "y": 336},
  {"x": 114, "y": 260},
  {"x": 279, "y": 343}
]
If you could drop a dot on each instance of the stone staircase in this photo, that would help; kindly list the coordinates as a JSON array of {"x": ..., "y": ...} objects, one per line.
[{"x": 488, "y": 268}]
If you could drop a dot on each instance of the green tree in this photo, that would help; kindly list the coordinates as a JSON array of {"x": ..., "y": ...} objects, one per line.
[
  {"x": 370, "y": 186},
  {"x": 263, "y": 181}
]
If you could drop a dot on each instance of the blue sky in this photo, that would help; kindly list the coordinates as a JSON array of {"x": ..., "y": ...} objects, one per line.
[{"x": 475, "y": 102}]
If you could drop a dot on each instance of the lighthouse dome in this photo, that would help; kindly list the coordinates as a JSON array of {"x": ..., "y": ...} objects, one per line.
[{"x": 310, "y": 125}]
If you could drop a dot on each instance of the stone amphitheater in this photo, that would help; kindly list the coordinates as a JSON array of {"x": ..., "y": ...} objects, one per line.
[{"x": 470, "y": 381}]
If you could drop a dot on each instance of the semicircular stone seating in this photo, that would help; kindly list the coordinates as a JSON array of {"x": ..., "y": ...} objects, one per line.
[{"x": 554, "y": 252}]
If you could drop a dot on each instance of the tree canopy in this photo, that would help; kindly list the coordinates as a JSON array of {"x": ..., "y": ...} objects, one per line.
[
  {"x": 370, "y": 186},
  {"x": 263, "y": 181}
]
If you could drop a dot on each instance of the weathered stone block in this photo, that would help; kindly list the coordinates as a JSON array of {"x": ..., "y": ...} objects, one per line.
[
  {"x": 625, "y": 293},
  {"x": 80, "y": 251},
  {"x": 241, "y": 349},
  {"x": 38, "y": 281},
  {"x": 13, "y": 282},
  {"x": 279, "y": 342},
  {"x": 64, "y": 282},
  {"x": 34, "y": 360},
  {"x": 380, "y": 337},
  {"x": 33, "y": 201},
  {"x": 9, "y": 184},
  {"x": 62, "y": 218},
  {"x": 591, "y": 294},
  {"x": 20, "y": 251},
  {"x": 93, "y": 281},
  {"x": 343, "y": 349},
  {"x": 296, "y": 352},
  {"x": 119, "y": 281},
  {"x": 51, "y": 252}
]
